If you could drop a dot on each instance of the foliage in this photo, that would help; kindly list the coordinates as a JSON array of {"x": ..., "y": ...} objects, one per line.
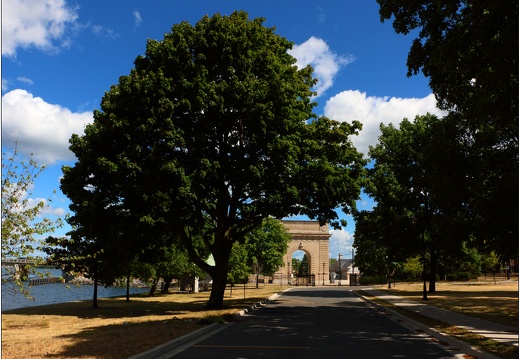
[
  {"x": 370, "y": 250},
  {"x": 491, "y": 263},
  {"x": 469, "y": 51},
  {"x": 173, "y": 263},
  {"x": 266, "y": 246},
  {"x": 209, "y": 134},
  {"x": 471, "y": 261},
  {"x": 419, "y": 197},
  {"x": 144, "y": 271},
  {"x": 22, "y": 222},
  {"x": 239, "y": 270},
  {"x": 479, "y": 43},
  {"x": 303, "y": 269},
  {"x": 177, "y": 264},
  {"x": 295, "y": 265},
  {"x": 100, "y": 251},
  {"x": 411, "y": 269}
]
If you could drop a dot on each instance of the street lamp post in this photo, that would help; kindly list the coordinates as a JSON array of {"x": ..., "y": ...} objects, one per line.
[
  {"x": 339, "y": 269},
  {"x": 388, "y": 267},
  {"x": 323, "y": 272},
  {"x": 288, "y": 272},
  {"x": 425, "y": 295}
]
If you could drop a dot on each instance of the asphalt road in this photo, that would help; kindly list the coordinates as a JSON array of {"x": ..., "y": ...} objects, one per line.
[{"x": 314, "y": 322}]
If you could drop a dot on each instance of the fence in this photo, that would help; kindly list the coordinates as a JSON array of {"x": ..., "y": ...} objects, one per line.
[{"x": 45, "y": 280}]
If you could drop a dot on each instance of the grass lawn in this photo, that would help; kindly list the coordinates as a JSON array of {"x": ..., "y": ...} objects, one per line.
[
  {"x": 494, "y": 302},
  {"x": 117, "y": 329}
]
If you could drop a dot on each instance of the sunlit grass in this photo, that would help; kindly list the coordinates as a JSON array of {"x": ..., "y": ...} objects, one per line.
[{"x": 117, "y": 329}]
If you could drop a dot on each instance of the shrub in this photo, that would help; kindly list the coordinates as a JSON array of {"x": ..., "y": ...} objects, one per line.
[
  {"x": 368, "y": 280},
  {"x": 451, "y": 277},
  {"x": 463, "y": 276}
]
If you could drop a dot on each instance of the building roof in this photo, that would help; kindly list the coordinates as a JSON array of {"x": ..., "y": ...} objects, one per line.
[{"x": 345, "y": 264}]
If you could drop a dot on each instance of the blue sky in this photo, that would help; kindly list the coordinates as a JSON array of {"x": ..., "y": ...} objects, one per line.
[{"x": 59, "y": 57}]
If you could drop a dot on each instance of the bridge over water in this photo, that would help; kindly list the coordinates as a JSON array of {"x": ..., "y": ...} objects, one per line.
[
  {"x": 14, "y": 262},
  {"x": 18, "y": 268}
]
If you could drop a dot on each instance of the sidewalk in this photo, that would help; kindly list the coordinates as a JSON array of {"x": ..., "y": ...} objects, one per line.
[{"x": 500, "y": 333}]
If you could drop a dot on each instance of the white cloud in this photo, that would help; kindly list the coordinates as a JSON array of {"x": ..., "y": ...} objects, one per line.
[
  {"x": 39, "y": 127},
  {"x": 326, "y": 63},
  {"x": 371, "y": 111},
  {"x": 137, "y": 18},
  {"x": 340, "y": 242},
  {"x": 51, "y": 211},
  {"x": 103, "y": 32},
  {"x": 25, "y": 202},
  {"x": 25, "y": 80},
  {"x": 37, "y": 23}
]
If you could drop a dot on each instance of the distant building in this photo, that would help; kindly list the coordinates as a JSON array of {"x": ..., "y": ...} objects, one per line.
[{"x": 344, "y": 270}]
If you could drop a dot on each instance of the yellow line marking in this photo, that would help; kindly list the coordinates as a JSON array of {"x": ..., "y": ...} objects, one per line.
[{"x": 248, "y": 346}]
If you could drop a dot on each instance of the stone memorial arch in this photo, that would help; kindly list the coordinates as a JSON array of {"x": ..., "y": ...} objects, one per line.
[{"x": 313, "y": 239}]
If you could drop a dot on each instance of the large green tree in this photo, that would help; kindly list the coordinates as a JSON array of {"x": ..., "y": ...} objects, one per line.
[
  {"x": 419, "y": 195},
  {"x": 209, "y": 134},
  {"x": 468, "y": 49}
]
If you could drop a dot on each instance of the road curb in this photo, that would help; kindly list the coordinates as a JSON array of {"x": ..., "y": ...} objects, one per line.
[
  {"x": 259, "y": 304},
  {"x": 441, "y": 338},
  {"x": 176, "y": 345},
  {"x": 168, "y": 347}
]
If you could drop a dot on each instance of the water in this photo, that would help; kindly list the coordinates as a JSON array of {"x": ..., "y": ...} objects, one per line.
[{"x": 54, "y": 293}]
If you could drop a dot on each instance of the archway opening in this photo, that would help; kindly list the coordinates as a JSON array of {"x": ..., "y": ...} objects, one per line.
[{"x": 300, "y": 263}]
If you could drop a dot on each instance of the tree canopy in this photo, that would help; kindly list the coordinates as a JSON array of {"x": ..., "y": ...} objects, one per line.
[
  {"x": 419, "y": 195},
  {"x": 210, "y": 133},
  {"x": 468, "y": 50},
  {"x": 266, "y": 246}
]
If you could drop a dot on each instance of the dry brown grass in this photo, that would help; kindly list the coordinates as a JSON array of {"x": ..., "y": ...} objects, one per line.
[
  {"x": 494, "y": 302},
  {"x": 117, "y": 329}
]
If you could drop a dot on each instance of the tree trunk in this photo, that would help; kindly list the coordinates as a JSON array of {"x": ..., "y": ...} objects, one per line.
[
  {"x": 153, "y": 287},
  {"x": 167, "y": 283},
  {"x": 218, "y": 288},
  {"x": 433, "y": 270},
  {"x": 128, "y": 287},
  {"x": 94, "y": 297}
]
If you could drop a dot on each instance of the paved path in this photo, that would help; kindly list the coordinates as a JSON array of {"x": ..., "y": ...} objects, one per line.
[
  {"x": 316, "y": 322},
  {"x": 498, "y": 332},
  {"x": 216, "y": 337}
]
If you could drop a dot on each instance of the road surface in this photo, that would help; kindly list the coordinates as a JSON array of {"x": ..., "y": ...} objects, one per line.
[{"x": 315, "y": 322}]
